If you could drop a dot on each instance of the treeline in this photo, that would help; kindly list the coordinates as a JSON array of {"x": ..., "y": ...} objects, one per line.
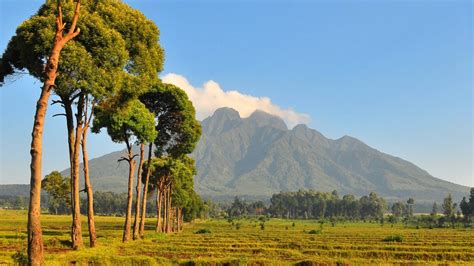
[
  {"x": 323, "y": 205},
  {"x": 320, "y": 205}
]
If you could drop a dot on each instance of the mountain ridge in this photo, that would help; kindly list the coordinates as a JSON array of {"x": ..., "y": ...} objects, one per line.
[{"x": 311, "y": 161}]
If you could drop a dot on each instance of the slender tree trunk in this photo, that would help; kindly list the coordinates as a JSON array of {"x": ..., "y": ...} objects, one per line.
[
  {"x": 158, "y": 210},
  {"x": 180, "y": 219},
  {"x": 173, "y": 215},
  {"x": 165, "y": 210},
  {"x": 35, "y": 235},
  {"x": 136, "y": 224},
  {"x": 90, "y": 193},
  {"x": 67, "y": 104},
  {"x": 145, "y": 191},
  {"x": 168, "y": 229},
  {"x": 131, "y": 173},
  {"x": 76, "y": 233}
]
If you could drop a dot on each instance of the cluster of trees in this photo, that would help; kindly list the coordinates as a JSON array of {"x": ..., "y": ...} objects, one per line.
[
  {"x": 16, "y": 202},
  {"x": 104, "y": 70},
  {"x": 241, "y": 208},
  {"x": 312, "y": 205},
  {"x": 467, "y": 207},
  {"x": 449, "y": 212},
  {"x": 320, "y": 205}
]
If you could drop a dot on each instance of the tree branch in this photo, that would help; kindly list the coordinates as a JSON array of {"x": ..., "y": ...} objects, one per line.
[
  {"x": 123, "y": 159},
  {"x": 73, "y": 30},
  {"x": 56, "y": 102},
  {"x": 59, "y": 115},
  {"x": 76, "y": 16},
  {"x": 59, "y": 19}
]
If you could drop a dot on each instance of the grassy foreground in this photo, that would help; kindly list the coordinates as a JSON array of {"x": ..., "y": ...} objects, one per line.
[{"x": 280, "y": 243}]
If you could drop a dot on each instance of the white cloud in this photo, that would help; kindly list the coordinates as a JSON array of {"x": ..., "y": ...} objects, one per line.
[{"x": 211, "y": 96}]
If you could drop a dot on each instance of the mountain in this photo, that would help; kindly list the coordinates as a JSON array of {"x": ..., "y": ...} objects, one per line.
[{"x": 258, "y": 156}]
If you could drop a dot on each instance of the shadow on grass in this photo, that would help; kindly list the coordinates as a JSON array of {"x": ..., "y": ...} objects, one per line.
[{"x": 52, "y": 233}]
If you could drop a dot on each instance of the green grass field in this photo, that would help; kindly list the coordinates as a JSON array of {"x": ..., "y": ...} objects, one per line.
[{"x": 280, "y": 243}]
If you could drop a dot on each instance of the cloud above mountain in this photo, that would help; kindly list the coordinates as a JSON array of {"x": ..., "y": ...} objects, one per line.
[{"x": 210, "y": 97}]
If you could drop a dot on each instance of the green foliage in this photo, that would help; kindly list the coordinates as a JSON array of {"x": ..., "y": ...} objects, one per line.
[
  {"x": 393, "y": 238},
  {"x": 315, "y": 232},
  {"x": 449, "y": 208},
  {"x": 92, "y": 63},
  {"x": 203, "y": 231},
  {"x": 398, "y": 209},
  {"x": 58, "y": 188},
  {"x": 132, "y": 119},
  {"x": 176, "y": 124},
  {"x": 20, "y": 257},
  {"x": 320, "y": 205}
]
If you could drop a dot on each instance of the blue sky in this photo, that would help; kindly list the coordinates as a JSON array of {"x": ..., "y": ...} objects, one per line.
[{"x": 396, "y": 74}]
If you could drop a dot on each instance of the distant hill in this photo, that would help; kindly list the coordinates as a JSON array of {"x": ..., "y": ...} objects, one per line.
[
  {"x": 15, "y": 190},
  {"x": 258, "y": 156}
]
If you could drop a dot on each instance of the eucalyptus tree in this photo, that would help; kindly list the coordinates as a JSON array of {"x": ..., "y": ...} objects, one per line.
[
  {"x": 159, "y": 172},
  {"x": 19, "y": 56},
  {"x": 126, "y": 121},
  {"x": 177, "y": 127},
  {"x": 182, "y": 194}
]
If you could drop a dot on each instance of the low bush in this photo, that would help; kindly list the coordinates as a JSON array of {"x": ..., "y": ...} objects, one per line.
[
  {"x": 315, "y": 232},
  {"x": 393, "y": 238},
  {"x": 203, "y": 231}
]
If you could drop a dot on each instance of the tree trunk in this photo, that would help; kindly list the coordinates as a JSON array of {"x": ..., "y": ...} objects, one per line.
[
  {"x": 165, "y": 211},
  {"x": 136, "y": 224},
  {"x": 145, "y": 191},
  {"x": 90, "y": 193},
  {"x": 76, "y": 233},
  {"x": 158, "y": 210},
  {"x": 131, "y": 173},
  {"x": 67, "y": 104},
  {"x": 180, "y": 217},
  {"x": 168, "y": 223},
  {"x": 173, "y": 219},
  {"x": 35, "y": 235}
]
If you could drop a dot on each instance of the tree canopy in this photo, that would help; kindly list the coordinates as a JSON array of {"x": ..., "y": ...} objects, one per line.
[
  {"x": 113, "y": 37},
  {"x": 132, "y": 119},
  {"x": 175, "y": 118}
]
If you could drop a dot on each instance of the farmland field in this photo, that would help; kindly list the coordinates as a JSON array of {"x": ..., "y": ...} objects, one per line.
[{"x": 280, "y": 242}]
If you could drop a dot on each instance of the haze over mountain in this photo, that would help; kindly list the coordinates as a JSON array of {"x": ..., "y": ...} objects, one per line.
[{"x": 258, "y": 156}]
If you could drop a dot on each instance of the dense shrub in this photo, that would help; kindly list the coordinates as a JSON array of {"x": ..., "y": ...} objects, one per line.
[
  {"x": 315, "y": 232},
  {"x": 203, "y": 231}
]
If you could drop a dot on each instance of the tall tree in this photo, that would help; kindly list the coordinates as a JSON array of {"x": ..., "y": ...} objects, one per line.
[
  {"x": 449, "y": 208},
  {"x": 409, "y": 209},
  {"x": 177, "y": 127},
  {"x": 126, "y": 122},
  {"x": 48, "y": 74},
  {"x": 434, "y": 209},
  {"x": 398, "y": 208},
  {"x": 465, "y": 209},
  {"x": 160, "y": 172},
  {"x": 471, "y": 202}
]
